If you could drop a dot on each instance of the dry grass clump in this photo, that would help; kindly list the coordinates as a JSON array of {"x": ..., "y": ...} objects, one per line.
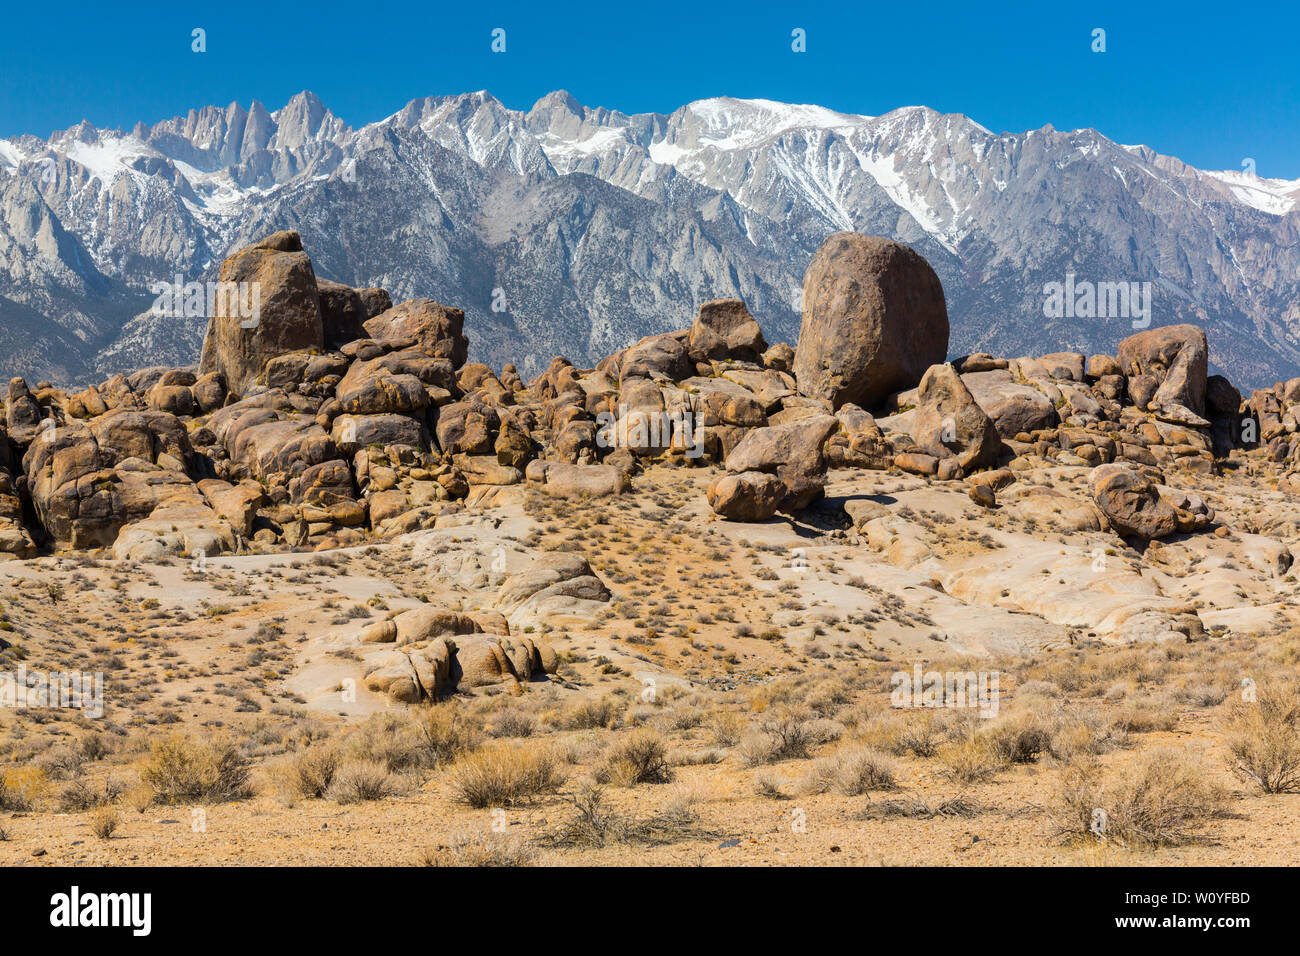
[
  {"x": 21, "y": 788},
  {"x": 603, "y": 714},
  {"x": 784, "y": 735},
  {"x": 356, "y": 781},
  {"x": 727, "y": 727},
  {"x": 641, "y": 758},
  {"x": 81, "y": 795},
  {"x": 511, "y": 723},
  {"x": 105, "y": 822},
  {"x": 1166, "y": 799},
  {"x": 304, "y": 775},
  {"x": 919, "y": 733},
  {"x": 1263, "y": 738},
  {"x": 505, "y": 774},
  {"x": 180, "y": 769},
  {"x": 852, "y": 771},
  {"x": 423, "y": 737},
  {"x": 481, "y": 850},
  {"x": 594, "y": 824},
  {"x": 972, "y": 760}
]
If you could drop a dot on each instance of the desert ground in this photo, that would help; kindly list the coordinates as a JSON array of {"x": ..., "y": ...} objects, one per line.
[{"x": 725, "y": 701}]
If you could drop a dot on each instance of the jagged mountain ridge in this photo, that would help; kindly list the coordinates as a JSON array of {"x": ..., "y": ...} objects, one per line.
[{"x": 599, "y": 227}]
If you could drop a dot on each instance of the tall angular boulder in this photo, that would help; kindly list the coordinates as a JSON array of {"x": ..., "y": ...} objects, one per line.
[
  {"x": 286, "y": 317},
  {"x": 1176, "y": 357},
  {"x": 874, "y": 319}
]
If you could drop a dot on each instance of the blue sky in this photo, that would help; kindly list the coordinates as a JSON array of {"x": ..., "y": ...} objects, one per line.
[{"x": 1211, "y": 84}]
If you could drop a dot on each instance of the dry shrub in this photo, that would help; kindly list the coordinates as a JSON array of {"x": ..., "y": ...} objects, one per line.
[
  {"x": 182, "y": 770},
  {"x": 1263, "y": 738},
  {"x": 22, "y": 787},
  {"x": 80, "y": 795},
  {"x": 304, "y": 775},
  {"x": 916, "y": 732},
  {"x": 594, "y": 824},
  {"x": 972, "y": 760},
  {"x": 104, "y": 823},
  {"x": 511, "y": 723},
  {"x": 505, "y": 774},
  {"x": 1146, "y": 716},
  {"x": 852, "y": 771},
  {"x": 783, "y": 735},
  {"x": 1020, "y": 737},
  {"x": 444, "y": 732},
  {"x": 641, "y": 758},
  {"x": 481, "y": 850},
  {"x": 1166, "y": 799},
  {"x": 604, "y": 713},
  {"x": 727, "y": 727},
  {"x": 356, "y": 781},
  {"x": 768, "y": 785}
]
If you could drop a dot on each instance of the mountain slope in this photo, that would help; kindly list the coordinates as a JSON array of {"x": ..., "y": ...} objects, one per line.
[{"x": 570, "y": 230}]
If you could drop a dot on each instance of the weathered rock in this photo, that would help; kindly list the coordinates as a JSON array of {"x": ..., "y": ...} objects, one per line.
[
  {"x": 285, "y": 317},
  {"x": 874, "y": 319},
  {"x": 748, "y": 496},
  {"x": 432, "y": 328},
  {"x": 578, "y": 481},
  {"x": 950, "y": 424},
  {"x": 1131, "y": 503},
  {"x": 342, "y": 312},
  {"x": 1013, "y": 407},
  {"x": 382, "y": 391},
  {"x": 725, "y": 329},
  {"x": 657, "y": 356},
  {"x": 351, "y": 433},
  {"x": 1177, "y": 356},
  {"x": 467, "y": 428}
]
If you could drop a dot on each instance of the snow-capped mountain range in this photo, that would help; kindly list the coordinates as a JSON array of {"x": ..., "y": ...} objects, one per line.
[{"x": 572, "y": 230}]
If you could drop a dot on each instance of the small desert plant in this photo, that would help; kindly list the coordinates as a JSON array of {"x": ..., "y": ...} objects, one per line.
[
  {"x": 861, "y": 770},
  {"x": 1263, "y": 738},
  {"x": 21, "y": 788},
  {"x": 104, "y": 823},
  {"x": 1019, "y": 738},
  {"x": 444, "y": 732},
  {"x": 481, "y": 850},
  {"x": 727, "y": 727},
  {"x": 306, "y": 774},
  {"x": 592, "y": 715},
  {"x": 1165, "y": 800},
  {"x": 80, "y": 795},
  {"x": 357, "y": 781},
  {"x": 768, "y": 785},
  {"x": 182, "y": 770},
  {"x": 783, "y": 735},
  {"x": 506, "y": 774},
  {"x": 511, "y": 723},
  {"x": 641, "y": 758},
  {"x": 972, "y": 760}
]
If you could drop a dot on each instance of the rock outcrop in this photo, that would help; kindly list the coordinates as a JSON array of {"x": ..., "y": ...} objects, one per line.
[{"x": 874, "y": 319}]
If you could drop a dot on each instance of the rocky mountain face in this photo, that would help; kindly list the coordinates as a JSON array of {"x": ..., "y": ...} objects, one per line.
[{"x": 575, "y": 231}]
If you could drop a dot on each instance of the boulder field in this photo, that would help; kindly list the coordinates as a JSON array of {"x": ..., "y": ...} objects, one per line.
[{"x": 335, "y": 417}]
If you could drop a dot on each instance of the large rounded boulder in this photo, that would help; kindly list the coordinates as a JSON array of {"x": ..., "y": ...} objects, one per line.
[{"x": 874, "y": 319}]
